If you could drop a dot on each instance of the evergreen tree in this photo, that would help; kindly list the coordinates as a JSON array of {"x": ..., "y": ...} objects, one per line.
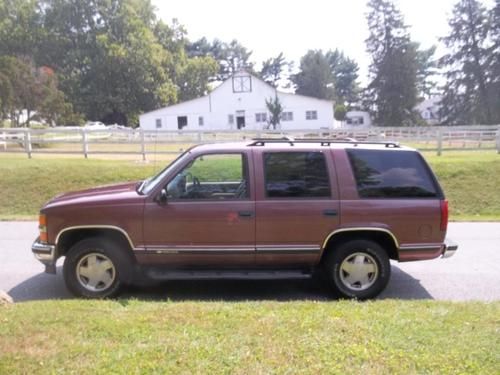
[
  {"x": 392, "y": 92},
  {"x": 471, "y": 94},
  {"x": 315, "y": 77},
  {"x": 273, "y": 69}
]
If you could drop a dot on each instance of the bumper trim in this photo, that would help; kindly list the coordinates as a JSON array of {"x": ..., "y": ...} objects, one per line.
[
  {"x": 449, "y": 249},
  {"x": 46, "y": 254}
]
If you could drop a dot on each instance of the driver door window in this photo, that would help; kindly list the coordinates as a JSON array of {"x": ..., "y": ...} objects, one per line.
[{"x": 211, "y": 177}]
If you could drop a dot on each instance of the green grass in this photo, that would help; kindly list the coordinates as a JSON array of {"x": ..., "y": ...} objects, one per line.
[
  {"x": 130, "y": 336},
  {"x": 471, "y": 180}
]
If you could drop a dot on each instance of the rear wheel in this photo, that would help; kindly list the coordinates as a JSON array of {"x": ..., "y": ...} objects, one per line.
[
  {"x": 358, "y": 269},
  {"x": 95, "y": 268}
]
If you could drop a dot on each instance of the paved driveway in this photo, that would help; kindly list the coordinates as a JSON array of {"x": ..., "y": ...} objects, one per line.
[{"x": 472, "y": 274}]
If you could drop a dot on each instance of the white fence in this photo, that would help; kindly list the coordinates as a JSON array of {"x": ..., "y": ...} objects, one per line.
[{"x": 140, "y": 142}]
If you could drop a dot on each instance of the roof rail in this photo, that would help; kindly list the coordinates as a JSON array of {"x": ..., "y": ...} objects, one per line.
[{"x": 321, "y": 141}]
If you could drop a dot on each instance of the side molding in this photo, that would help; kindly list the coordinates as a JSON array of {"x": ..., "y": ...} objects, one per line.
[
  {"x": 358, "y": 229},
  {"x": 112, "y": 227}
]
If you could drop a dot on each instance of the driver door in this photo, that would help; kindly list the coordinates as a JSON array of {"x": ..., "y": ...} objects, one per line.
[{"x": 208, "y": 217}]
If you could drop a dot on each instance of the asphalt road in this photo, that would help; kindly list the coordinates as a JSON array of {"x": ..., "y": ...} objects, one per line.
[{"x": 473, "y": 273}]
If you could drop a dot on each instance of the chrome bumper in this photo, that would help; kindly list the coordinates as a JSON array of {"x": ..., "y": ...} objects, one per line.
[
  {"x": 46, "y": 254},
  {"x": 449, "y": 249}
]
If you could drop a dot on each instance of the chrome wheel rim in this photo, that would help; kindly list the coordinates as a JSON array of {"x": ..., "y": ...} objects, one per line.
[
  {"x": 358, "y": 271},
  {"x": 95, "y": 272}
]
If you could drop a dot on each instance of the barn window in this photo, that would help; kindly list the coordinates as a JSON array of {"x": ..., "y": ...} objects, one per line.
[
  {"x": 182, "y": 121},
  {"x": 200, "y": 121},
  {"x": 158, "y": 123},
  {"x": 261, "y": 117},
  {"x": 311, "y": 115},
  {"x": 242, "y": 84},
  {"x": 230, "y": 119},
  {"x": 287, "y": 116}
]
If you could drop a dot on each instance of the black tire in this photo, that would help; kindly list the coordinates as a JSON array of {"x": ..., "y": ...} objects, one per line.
[
  {"x": 113, "y": 267},
  {"x": 370, "y": 265}
]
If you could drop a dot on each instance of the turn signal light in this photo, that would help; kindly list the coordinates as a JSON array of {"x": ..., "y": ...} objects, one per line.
[{"x": 42, "y": 227}]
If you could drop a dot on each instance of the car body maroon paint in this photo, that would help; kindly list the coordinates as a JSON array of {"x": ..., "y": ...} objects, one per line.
[{"x": 251, "y": 224}]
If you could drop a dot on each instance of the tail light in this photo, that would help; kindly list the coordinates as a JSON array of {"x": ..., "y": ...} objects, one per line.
[
  {"x": 42, "y": 227},
  {"x": 444, "y": 215}
]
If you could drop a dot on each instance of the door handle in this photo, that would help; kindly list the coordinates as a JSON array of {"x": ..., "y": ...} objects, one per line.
[
  {"x": 330, "y": 212},
  {"x": 245, "y": 213}
]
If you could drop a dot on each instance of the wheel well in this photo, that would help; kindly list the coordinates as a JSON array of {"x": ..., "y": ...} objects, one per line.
[
  {"x": 382, "y": 238},
  {"x": 71, "y": 237}
]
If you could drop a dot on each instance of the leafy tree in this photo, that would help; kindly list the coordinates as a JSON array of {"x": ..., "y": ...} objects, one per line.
[
  {"x": 275, "y": 109},
  {"x": 193, "y": 77},
  {"x": 345, "y": 75},
  {"x": 21, "y": 28},
  {"x": 315, "y": 77},
  {"x": 392, "y": 92},
  {"x": 30, "y": 89},
  {"x": 340, "y": 112},
  {"x": 273, "y": 69},
  {"x": 471, "y": 93}
]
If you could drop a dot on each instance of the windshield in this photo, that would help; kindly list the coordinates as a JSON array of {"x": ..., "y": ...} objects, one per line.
[{"x": 149, "y": 184}]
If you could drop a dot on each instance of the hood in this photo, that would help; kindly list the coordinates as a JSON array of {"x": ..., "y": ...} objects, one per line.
[{"x": 101, "y": 194}]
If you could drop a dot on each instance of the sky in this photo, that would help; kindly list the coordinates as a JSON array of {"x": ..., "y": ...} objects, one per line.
[{"x": 293, "y": 27}]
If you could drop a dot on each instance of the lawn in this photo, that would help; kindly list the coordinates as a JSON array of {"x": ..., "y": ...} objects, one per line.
[
  {"x": 130, "y": 336},
  {"x": 471, "y": 180}
]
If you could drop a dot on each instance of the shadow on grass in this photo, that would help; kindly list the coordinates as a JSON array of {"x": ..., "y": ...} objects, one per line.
[{"x": 44, "y": 286}]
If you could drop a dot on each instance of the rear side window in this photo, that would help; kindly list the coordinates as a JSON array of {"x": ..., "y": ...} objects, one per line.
[
  {"x": 391, "y": 174},
  {"x": 296, "y": 175}
]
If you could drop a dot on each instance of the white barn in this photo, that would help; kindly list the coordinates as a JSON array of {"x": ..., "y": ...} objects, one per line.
[{"x": 239, "y": 103}]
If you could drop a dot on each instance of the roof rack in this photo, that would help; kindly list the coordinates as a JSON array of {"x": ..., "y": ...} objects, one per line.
[{"x": 322, "y": 141}]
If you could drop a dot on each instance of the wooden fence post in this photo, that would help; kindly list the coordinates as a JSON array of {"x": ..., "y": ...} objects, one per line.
[
  {"x": 143, "y": 146},
  {"x": 27, "y": 142},
  {"x": 440, "y": 142},
  {"x": 85, "y": 144},
  {"x": 498, "y": 140}
]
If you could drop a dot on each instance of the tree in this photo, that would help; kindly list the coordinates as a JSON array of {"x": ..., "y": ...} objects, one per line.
[
  {"x": 194, "y": 76},
  {"x": 392, "y": 92},
  {"x": 275, "y": 109},
  {"x": 315, "y": 77},
  {"x": 345, "y": 75},
  {"x": 471, "y": 92},
  {"x": 340, "y": 112},
  {"x": 495, "y": 60},
  {"x": 231, "y": 57},
  {"x": 273, "y": 69},
  {"x": 426, "y": 71},
  {"x": 33, "y": 90}
]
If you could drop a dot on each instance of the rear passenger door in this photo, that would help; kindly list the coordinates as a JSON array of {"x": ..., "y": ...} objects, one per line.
[{"x": 296, "y": 205}]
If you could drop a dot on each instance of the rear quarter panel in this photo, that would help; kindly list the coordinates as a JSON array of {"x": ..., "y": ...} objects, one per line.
[{"x": 414, "y": 222}]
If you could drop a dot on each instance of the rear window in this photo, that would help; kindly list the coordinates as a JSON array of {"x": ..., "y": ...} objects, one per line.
[{"x": 391, "y": 174}]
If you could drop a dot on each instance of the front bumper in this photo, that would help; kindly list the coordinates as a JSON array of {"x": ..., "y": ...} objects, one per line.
[
  {"x": 46, "y": 254},
  {"x": 449, "y": 249}
]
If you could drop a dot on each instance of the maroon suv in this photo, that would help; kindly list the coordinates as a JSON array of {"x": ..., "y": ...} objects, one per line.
[{"x": 261, "y": 209}]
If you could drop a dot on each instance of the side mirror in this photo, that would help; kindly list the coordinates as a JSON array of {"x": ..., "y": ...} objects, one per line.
[{"x": 162, "y": 197}]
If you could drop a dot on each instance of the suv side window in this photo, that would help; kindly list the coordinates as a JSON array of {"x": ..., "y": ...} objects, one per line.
[
  {"x": 296, "y": 175},
  {"x": 211, "y": 177},
  {"x": 391, "y": 174}
]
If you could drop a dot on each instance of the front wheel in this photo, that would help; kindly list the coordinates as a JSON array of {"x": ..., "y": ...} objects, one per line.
[
  {"x": 94, "y": 268},
  {"x": 358, "y": 269}
]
